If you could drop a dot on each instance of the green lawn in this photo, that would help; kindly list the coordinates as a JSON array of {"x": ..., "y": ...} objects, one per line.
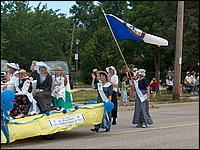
[{"x": 83, "y": 96}]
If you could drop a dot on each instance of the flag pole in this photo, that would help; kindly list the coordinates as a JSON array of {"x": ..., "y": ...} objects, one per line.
[{"x": 117, "y": 43}]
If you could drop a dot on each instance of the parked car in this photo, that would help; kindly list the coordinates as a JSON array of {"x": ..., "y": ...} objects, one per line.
[
  {"x": 65, "y": 67},
  {"x": 3, "y": 70}
]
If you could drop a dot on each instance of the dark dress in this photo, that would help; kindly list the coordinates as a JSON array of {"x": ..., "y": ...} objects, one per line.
[
  {"x": 106, "y": 116},
  {"x": 44, "y": 97},
  {"x": 141, "y": 111},
  {"x": 21, "y": 102}
]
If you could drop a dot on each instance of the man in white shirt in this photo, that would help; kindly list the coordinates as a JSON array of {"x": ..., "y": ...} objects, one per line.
[{"x": 114, "y": 81}]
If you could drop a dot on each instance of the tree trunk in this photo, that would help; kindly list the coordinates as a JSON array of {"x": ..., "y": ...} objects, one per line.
[{"x": 157, "y": 58}]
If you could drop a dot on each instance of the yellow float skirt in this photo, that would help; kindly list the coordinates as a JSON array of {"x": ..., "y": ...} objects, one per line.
[{"x": 44, "y": 124}]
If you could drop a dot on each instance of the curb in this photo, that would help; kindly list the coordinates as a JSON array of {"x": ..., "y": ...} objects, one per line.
[{"x": 154, "y": 105}]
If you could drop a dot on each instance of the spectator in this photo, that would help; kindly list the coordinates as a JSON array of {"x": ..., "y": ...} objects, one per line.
[
  {"x": 132, "y": 75},
  {"x": 154, "y": 85},
  {"x": 197, "y": 82},
  {"x": 124, "y": 72},
  {"x": 114, "y": 81},
  {"x": 105, "y": 90},
  {"x": 141, "y": 112},
  {"x": 169, "y": 83},
  {"x": 123, "y": 90},
  {"x": 194, "y": 82},
  {"x": 188, "y": 83},
  {"x": 43, "y": 87}
]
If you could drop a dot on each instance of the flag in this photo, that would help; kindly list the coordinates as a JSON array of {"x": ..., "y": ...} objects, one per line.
[{"x": 124, "y": 31}]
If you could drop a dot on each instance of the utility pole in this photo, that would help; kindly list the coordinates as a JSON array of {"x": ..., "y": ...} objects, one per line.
[{"x": 178, "y": 55}]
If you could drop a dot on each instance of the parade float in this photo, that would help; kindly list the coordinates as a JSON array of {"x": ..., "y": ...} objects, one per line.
[{"x": 87, "y": 114}]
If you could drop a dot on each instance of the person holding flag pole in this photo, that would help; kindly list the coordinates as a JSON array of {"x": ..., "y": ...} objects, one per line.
[{"x": 122, "y": 30}]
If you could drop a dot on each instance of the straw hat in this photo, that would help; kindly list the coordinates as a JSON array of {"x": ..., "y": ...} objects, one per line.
[
  {"x": 106, "y": 74},
  {"x": 22, "y": 71},
  {"x": 13, "y": 65},
  {"x": 142, "y": 72}
]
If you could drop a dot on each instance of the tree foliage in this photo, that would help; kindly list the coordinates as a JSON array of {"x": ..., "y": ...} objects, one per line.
[{"x": 43, "y": 34}]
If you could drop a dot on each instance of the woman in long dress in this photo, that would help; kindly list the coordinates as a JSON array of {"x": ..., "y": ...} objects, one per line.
[
  {"x": 43, "y": 87},
  {"x": 24, "y": 103},
  {"x": 141, "y": 112},
  {"x": 105, "y": 90},
  {"x": 60, "y": 98}
]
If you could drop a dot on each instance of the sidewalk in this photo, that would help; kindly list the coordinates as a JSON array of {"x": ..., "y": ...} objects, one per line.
[{"x": 157, "y": 104}]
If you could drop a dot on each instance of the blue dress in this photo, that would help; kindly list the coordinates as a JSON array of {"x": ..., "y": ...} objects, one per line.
[
  {"x": 106, "y": 121},
  {"x": 141, "y": 111}
]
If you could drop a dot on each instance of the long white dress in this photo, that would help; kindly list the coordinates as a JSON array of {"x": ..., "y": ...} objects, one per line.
[{"x": 58, "y": 87}]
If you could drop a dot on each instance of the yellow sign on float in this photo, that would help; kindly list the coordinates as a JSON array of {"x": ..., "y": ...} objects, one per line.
[{"x": 41, "y": 124}]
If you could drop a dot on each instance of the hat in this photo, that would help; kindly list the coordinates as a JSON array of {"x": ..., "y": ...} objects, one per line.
[
  {"x": 94, "y": 70},
  {"x": 135, "y": 69},
  {"x": 142, "y": 72},
  {"x": 113, "y": 68},
  {"x": 13, "y": 65},
  {"x": 105, "y": 73},
  {"x": 42, "y": 64},
  {"x": 22, "y": 71},
  {"x": 188, "y": 72}
]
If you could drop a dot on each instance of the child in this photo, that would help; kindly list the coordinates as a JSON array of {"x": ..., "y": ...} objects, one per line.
[
  {"x": 59, "y": 94},
  {"x": 123, "y": 90},
  {"x": 154, "y": 85}
]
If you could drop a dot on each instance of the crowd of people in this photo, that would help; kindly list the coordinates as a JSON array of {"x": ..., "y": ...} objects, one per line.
[
  {"x": 132, "y": 85},
  {"x": 38, "y": 91},
  {"x": 190, "y": 83},
  {"x": 107, "y": 85},
  {"x": 50, "y": 91}
]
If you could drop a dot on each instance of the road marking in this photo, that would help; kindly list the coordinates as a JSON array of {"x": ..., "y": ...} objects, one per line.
[{"x": 150, "y": 129}]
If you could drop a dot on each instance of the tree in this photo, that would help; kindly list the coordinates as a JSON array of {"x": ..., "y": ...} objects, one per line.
[{"x": 37, "y": 35}]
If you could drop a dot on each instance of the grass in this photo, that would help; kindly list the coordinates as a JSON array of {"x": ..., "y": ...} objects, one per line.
[
  {"x": 84, "y": 96},
  {"x": 81, "y": 85},
  {"x": 168, "y": 98}
]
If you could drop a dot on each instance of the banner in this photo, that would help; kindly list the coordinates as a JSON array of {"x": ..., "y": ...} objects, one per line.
[{"x": 125, "y": 31}]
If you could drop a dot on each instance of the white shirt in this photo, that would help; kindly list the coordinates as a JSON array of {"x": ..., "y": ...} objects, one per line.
[
  {"x": 58, "y": 87},
  {"x": 115, "y": 80},
  {"x": 13, "y": 78}
]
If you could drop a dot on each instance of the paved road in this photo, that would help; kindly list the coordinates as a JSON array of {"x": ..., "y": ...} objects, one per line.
[{"x": 176, "y": 126}]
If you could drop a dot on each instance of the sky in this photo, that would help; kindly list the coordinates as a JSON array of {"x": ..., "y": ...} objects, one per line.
[{"x": 62, "y": 5}]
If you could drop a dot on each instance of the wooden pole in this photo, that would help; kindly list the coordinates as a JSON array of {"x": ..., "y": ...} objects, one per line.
[
  {"x": 178, "y": 54},
  {"x": 116, "y": 43}
]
